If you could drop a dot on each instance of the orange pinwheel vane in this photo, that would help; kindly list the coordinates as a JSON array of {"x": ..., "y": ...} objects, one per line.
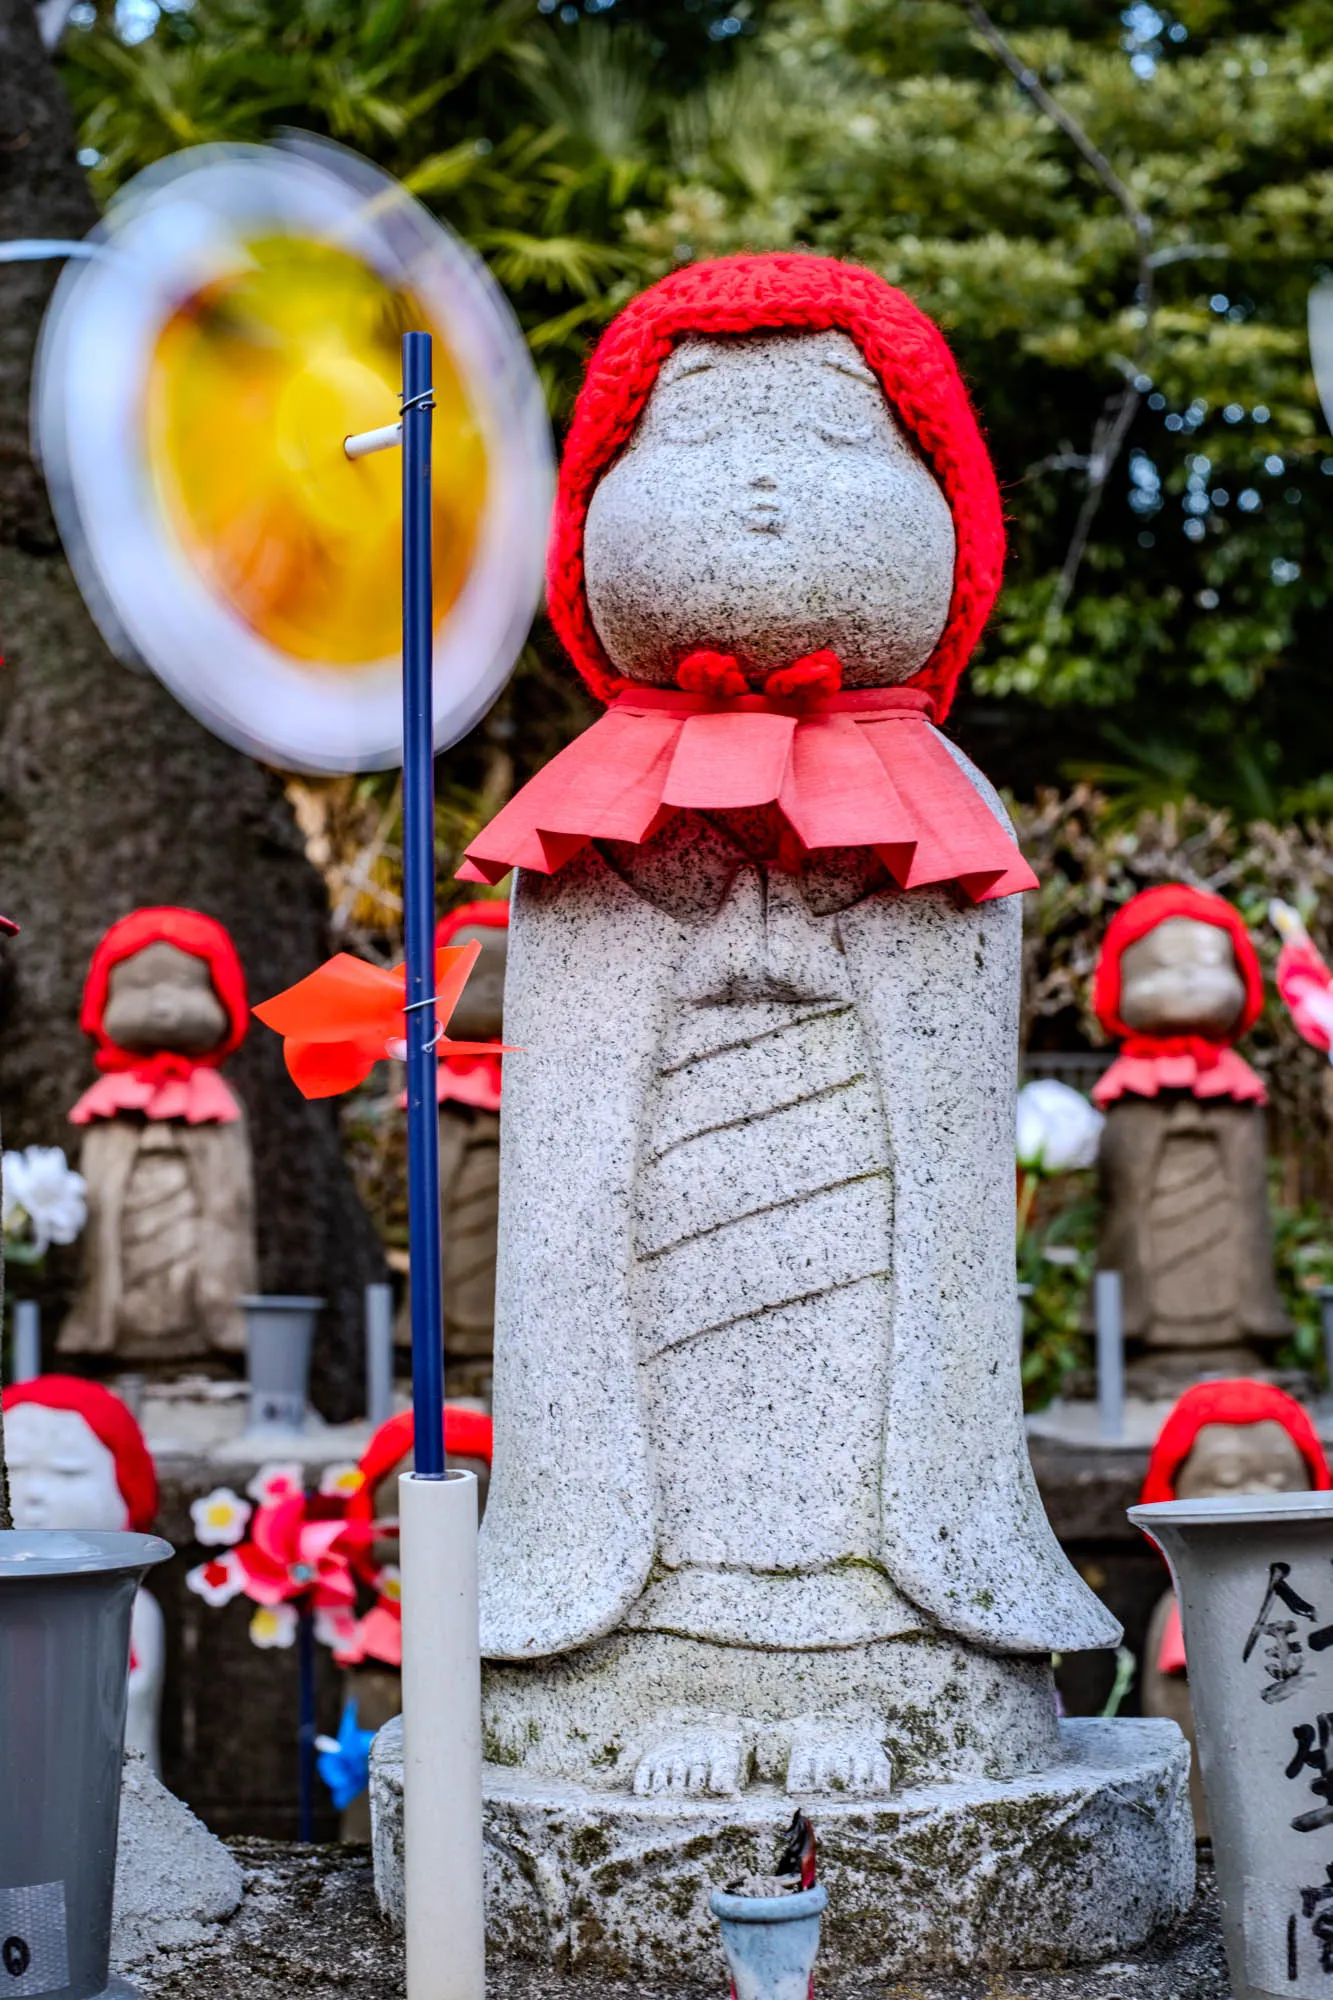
[{"x": 342, "y": 1019}]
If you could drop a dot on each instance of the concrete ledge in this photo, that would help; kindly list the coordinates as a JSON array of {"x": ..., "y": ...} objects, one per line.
[{"x": 1076, "y": 1864}]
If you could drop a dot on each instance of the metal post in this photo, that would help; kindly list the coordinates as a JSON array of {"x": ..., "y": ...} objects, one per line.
[
  {"x": 27, "y": 1340},
  {"x": 1326, "y": 1323},
  {"x": 379, "y": 1354},
  {"x": 305, "y": 1658},
  {"x": 1110, "y": 1354},
  {"x": 423, "y": 1135}
]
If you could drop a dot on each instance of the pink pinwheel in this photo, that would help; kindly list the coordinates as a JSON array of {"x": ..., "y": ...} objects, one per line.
[
  {"x": 1303, "y": 979},
  {"x": 291, "y": 1557}
]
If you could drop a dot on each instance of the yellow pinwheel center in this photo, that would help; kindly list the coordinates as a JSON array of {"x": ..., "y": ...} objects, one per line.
[{"x": 255, "y": 381}]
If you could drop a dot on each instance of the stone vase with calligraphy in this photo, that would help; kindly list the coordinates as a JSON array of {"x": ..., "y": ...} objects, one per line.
[{"x": 1254, "y": 1579}]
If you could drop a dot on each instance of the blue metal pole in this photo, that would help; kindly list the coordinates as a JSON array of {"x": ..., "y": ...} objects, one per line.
[
  {"x": 423, "y": 1135},
  {"x": 305, "y": 1654}
]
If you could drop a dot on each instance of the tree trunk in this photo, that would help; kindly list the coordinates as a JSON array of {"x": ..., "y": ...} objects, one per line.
[{"x": 112, "y": 796}]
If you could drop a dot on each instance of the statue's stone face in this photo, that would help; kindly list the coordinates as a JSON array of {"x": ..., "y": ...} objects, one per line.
[
  {"x": 1242, "y": 1458},
  {"x": 60, "y": 1474},
  {"x": 479, "y": 1014},
  {"x": 163, "y": 998},
  {"x": 769, "y": 504},
  {"x": 1181, "y": 979}
]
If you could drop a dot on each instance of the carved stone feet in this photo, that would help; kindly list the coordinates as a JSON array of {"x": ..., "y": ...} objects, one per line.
[
  {"x": 826, "y": 1758},
  {"x": 694, "y": 1762}
]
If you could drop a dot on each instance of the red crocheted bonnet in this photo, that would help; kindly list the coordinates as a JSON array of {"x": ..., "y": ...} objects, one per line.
[
  {"x": 190, "y": 931},
  {"x": 493, "y": 915},
  {"x": 1142, "y": 914},
  {"x": 798, "y": 293},
  {"x": 1236, "y": 1402},
  {"x": 110, "y": 1421},
  {"x": 467, "y": 1433}
]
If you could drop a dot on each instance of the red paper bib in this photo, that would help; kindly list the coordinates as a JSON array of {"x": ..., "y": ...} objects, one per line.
[{"x": 861, "y": 769}]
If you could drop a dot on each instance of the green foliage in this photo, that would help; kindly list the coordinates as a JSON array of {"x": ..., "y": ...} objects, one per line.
[
  {"x": 1057, "y": 1253},
  {"x": 585, "y": 155}
]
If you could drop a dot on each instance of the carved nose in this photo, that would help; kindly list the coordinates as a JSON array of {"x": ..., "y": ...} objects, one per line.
[{"x": 764, "y": 482}]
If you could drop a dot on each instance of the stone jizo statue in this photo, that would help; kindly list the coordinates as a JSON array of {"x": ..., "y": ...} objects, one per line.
[
  {"x": 1223, "y": 1439},
  {"x": 77, "y": 1459},
  {"x": 170, "y": 1243},
  {"x": 1183, "y": 1159},
  {"x": 762, "y": 1511},
  {"x": 469, "y": 1094}
]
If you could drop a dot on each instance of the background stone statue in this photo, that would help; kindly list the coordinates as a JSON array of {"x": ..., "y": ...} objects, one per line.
[
  {"x": 468, "y": 1087},
  {"x": 762, "y": 1509},
  {"x": 77, "y": 1459},
  {"x": 1221, "y": 1438},
  {"x": 170, "y": 1244},
  {"x": 1183, "y": 1160}
]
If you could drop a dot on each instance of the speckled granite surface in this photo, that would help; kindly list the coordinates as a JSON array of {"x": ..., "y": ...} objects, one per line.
[{"x": 307, "y": 1929}]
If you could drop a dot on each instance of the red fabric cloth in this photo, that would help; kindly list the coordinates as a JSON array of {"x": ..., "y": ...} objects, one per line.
[
  {"x": 844, "y": 770},
  {"x": 1148, "y": 1063},
  {"x": 773, "y": 293},
  {"x": 467, "y": 1433},
  {"x": 109, "y": 1420},
  {"x": 1233, "y": 1402},
  {"x": 1171, "y": 1651},
  {"x": 1201, "y": 1064},
  {"x": 165, "y": 1085},
  {"x": 473, "y": 1079}
]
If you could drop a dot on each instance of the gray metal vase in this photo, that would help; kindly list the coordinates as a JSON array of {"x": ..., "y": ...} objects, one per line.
[
  {"x": 65, "y": 1603},
  {"x": 279, "y": 1330},
  {"x": 1254, "y": 1579},
  {"x": 770, "y": 1941}
]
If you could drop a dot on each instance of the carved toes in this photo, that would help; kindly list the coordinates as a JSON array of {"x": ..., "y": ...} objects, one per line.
[
  {"x": 832, "y": 1760},
  {"x": 691, "y": 1763}
]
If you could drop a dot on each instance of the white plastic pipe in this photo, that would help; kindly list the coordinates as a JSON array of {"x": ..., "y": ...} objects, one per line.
[
  {"x": 443, "y": 1877},
  {"x": 362, "y": 443}
]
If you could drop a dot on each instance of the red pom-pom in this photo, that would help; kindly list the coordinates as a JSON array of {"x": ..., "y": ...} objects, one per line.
[
  {"x": 713, "y": 674},
  {"x": 817, "y": 674}
]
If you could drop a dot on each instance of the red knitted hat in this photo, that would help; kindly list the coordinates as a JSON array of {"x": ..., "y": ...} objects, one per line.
[
  {"x": 108, "y": 1419},
  {"x": 492, "y": 915},
  {"x": 799, "y": 293},
  {"x": 1142, "y": 914},
  {"x": 190, "y": 931},
  {"x": 467, "y": 1432},
  {"x": 1236, "y": 1402}
]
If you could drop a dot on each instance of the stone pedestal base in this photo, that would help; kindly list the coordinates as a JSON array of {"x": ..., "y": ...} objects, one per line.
[{"x": 1077, "y": 1863}]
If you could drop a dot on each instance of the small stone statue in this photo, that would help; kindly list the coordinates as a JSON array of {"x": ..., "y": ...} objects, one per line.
[
  {"x": 762, "y": 1509},
  {"x": 468, "y": 1088},
  {"x": 170, "y": 1245},
  {"x": 1222, "y": 1438},
  {"x": 77, "y": 1459},
  {"x": 1183, "y": 1161}
]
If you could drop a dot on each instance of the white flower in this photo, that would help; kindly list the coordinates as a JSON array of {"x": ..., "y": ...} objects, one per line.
[
  {"x": 220, "y": 1518},
  {"x": 277, "y": 1482},
  {"x": 41, "y": 1185},
  {"x": 334, "y": 1625},
  {"x": 389, "y": 1583},
  {"x": 273, "y": 1625},
  {"x": 1058, "y": 1129},
  {"x": 218, "y": 1580},
  {"x": 340, "y": 1482}
]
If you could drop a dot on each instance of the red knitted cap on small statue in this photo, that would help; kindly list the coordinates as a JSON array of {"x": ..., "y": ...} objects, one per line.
[
  {"x": 110, "y": 1421},
  {"x": 768, "y": 294},
  {"x": 492, "y": 915},
  {"x": 190, "y": 931},
  {"x": 467, "y": 1433},
  {"x": 1234, "y": 1402},
  {"x": 1156, "y": 906}
]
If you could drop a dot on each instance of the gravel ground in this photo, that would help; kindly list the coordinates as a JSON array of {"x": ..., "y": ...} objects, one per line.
[{"x": 308, "y": 1928}]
